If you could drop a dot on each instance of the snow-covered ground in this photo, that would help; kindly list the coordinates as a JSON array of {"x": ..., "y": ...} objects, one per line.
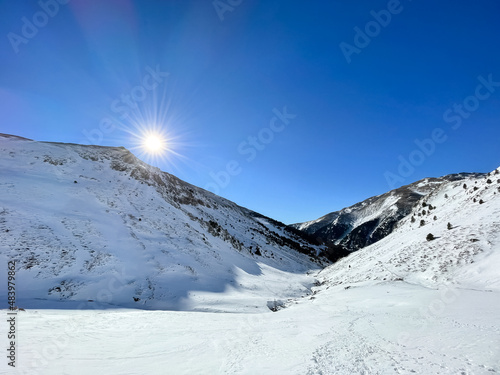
[
  {"x": 403, "y": 305},
  {"x": 465, "y": 253},
  {"x": 388, "y": 328},
  {"x": 97, "y": 226}
]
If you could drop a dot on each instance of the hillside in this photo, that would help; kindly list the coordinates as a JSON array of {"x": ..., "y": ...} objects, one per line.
[
  {"x": 463, "y": 216},
  {"x": 403, "y": 305},
  {"x": 95, "y": 227},
  {"x": 371, "y": 220}
]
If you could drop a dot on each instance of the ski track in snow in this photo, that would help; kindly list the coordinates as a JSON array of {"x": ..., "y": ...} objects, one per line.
[{"x": 360, "y": 349}]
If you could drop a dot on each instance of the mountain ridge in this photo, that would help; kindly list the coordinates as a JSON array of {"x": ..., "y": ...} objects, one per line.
[
  {"x": 372, "y": 219},
  {"x": 94, "y": 226},
  {"x": 78, "y": 218},
  {"x": 450, "y": 238}
]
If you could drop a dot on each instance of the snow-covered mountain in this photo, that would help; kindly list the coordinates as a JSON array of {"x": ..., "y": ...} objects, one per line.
[
  {"x": 369, "y": 221},
  {"x": 97, "y": 226},
  {"x": 450, "y": 236},
  {"x": 94, "y": 223},
  {"x": 403, "y": 305},
  {"x": 425, "y": 298}
]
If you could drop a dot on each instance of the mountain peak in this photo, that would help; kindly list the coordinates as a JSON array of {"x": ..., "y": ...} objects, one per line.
[
  {"x": 371, "y": 220},
  {"x": 78, "y": 218}
]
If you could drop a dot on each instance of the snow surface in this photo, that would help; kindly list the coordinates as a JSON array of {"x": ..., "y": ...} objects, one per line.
[
  {"x": 403, "y": 305},
  {"x": 366, "y": 222},
  {"x": 96, "y": 225},
  {"x": 466, "y": 256},
  {"x": 388, "y": 328}
]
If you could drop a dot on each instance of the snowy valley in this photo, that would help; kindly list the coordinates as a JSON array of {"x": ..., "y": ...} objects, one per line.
[
  {"x": 125, "y": 269},
  {"x": 94, "y": 225}
]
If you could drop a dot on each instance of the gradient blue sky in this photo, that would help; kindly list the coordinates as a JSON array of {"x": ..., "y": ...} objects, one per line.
[{"x": 354, "y": 121}]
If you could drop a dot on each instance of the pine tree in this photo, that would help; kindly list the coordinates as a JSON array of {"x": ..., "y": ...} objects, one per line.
[
  {"x": 450, "y": 226},
  {"x": 430, "y": 237}
]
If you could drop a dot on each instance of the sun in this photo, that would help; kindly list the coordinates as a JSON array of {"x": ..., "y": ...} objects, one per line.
[{"x": 154, "y": 143}]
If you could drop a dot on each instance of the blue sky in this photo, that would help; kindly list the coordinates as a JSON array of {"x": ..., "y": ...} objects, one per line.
[{"x": 291, "y": 108}]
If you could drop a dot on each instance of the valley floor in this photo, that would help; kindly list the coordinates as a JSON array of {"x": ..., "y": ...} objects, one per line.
[{"x": 388, "y": 328}]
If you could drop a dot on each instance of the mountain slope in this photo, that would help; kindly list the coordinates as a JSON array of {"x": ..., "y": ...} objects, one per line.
[
  {"x": 464, "y": 218},
  {"x": 371, "y": 220},
  {"x": 95, "y": 223},
  {"x": 403, "y": 305}
]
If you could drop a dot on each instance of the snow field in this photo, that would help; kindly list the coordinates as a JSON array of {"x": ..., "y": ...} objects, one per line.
[{"x": 389, "y": 328}]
